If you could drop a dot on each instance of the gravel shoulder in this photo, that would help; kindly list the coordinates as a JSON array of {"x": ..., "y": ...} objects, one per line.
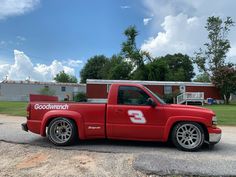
[{"x": 26, "y": 160}]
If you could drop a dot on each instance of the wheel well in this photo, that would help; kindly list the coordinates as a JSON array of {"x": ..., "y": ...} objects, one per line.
[
  {"x": 50, "y": 120},
  {"x": 201, "y": 124}
]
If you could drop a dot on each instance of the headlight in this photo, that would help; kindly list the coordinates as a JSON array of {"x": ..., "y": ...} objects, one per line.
[{"x": 214, "y": 120}]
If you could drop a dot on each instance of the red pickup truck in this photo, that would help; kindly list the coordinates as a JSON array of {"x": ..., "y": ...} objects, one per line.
[{"x": 132, "y": 112}]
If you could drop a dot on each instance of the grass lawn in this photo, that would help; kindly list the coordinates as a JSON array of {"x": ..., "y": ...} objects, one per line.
[
  {"x": 226, "y": 114},
  {"x": 13, "y": 108}
]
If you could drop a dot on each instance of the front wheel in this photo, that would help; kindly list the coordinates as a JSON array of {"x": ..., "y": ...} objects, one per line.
[
  {"x": 188, "y": 136},
  {"x": 62, "y": 131}
]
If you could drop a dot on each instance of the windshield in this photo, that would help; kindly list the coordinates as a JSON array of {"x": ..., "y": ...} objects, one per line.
[{"x": 157, "y": 97}]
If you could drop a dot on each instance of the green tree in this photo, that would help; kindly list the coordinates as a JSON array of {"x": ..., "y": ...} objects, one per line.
[
  {"x": 224, "y": 78},
  {"x": 93, "y": 68},
  {"x": 177, "y": 67},
  {"x": 116, "y": 68},
  {"x": 157, "y": 70},
  {"x": 65, "y": 78},
  {"x": 180, "y": 67},
  {"x": 204, "y": 77},
  {"x": 47, "y": 91},
  {"x": 134, "y": 54},
  {"x": 212, "y": 59},
  {"x": 214, "y": 55}
]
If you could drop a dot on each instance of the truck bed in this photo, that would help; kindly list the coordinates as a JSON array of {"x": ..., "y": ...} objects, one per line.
[{"x": 90, "y": 115}]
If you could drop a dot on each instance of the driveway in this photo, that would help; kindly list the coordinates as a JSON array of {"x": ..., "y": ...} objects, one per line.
[{"x": 148, "y": 157}]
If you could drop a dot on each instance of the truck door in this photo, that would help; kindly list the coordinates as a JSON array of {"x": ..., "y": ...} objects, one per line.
[{"x": 132, "y": 117}]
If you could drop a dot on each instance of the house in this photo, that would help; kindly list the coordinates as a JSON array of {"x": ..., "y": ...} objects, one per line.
[
  {"x": 19, "y": 90},
  {"x": 187, "y": 91}
]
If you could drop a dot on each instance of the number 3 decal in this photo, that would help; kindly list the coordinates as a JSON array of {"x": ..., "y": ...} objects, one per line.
[{"x": 136, "y": 116}]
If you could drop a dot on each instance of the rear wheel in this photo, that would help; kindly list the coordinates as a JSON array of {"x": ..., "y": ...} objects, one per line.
[
  {"x": 188, "y": 136},
  {"x": 62, "y": 131}
]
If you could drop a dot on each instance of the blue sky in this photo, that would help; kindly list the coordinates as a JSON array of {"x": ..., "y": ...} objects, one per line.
[
  {"x": 78, "y": 29},
  {"x": 49, "y": 35}
]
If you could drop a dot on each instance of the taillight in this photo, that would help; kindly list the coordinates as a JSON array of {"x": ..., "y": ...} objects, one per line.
[{"x": 28, "y": 111}]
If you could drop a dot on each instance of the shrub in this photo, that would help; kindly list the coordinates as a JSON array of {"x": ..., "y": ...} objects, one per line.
[
  {"x": 170, "y": 98},
  {"x": 80, "y": 97}
]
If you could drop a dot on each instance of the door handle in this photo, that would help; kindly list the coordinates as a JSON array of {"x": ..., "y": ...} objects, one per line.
[{"x": 119, "y": 110}]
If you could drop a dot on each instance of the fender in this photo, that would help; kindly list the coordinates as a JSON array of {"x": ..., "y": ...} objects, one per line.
[
  {"x": 61, "y": 113},
  {"x": 172, "y": 120}
]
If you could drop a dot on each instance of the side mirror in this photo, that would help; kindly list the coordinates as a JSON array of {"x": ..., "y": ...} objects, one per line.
[{"x": 151, "y": 102}]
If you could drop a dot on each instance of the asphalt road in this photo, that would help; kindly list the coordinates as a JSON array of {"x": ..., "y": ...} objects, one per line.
[{"x": 150, "y": 157}]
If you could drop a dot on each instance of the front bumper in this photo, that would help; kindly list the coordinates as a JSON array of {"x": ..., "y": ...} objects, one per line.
[
  {"x": 24, "y": 127},
  {"x": 214, "y": 135},
  {"x": 214, "y": 138}
]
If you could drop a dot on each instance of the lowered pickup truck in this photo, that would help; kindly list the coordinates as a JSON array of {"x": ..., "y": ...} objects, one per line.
[{"x": 132, "y": 112}]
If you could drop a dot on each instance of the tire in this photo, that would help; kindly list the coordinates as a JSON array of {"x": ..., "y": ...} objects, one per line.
[
  {"x": 62, "y": 131},
  {"x": 188, "y": 136}
]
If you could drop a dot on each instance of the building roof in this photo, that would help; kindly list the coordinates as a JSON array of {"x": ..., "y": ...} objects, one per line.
[
  {"x": 41, "y": 83},
  {"x": 172, "y": 83}
]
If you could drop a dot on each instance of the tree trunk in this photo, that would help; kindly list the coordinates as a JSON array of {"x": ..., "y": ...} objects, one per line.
[{"x": 227, "y": 97}]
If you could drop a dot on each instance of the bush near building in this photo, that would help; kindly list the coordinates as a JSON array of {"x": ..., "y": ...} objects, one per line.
[{"x": 80, "y": 97}]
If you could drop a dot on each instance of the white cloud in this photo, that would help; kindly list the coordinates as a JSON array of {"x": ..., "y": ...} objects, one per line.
[
  {"x": 177, "y": 36},
  {"x": 74, "y": 63},
  {"x": 146, "y": 21},
  {"x": 178, "y": 25},
  {"x": 125, "y": 7},
  {"x": 24, "y": 68},
  {"x": 16, "y": 7},
  {"x": 21, "y": 38},
  {"x": 4, "y": 69},
  {"x": 10, "y": 43}
]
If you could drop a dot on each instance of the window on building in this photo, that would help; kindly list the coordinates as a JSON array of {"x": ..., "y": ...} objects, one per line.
[
  {"x": 128, "y": 95},
  {"x": 182, "y": 88},
  {"x": 167, "y": 89},
  {"x": 63, "y": 89}
]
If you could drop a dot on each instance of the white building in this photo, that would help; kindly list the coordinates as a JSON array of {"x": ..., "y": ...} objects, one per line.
[{"x": 20, "y": 90}]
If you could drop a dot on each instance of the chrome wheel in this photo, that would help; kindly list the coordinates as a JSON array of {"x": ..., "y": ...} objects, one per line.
[
  {"x": 60, "y": 131},
  {"x": 189, "y": 136}
]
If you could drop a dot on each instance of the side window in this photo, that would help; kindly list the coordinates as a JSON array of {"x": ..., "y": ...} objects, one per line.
[
  {"x": 128, "y": 95},
  {"x": 167, "y": 89},
  {"x": 63, "y": 89}
]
